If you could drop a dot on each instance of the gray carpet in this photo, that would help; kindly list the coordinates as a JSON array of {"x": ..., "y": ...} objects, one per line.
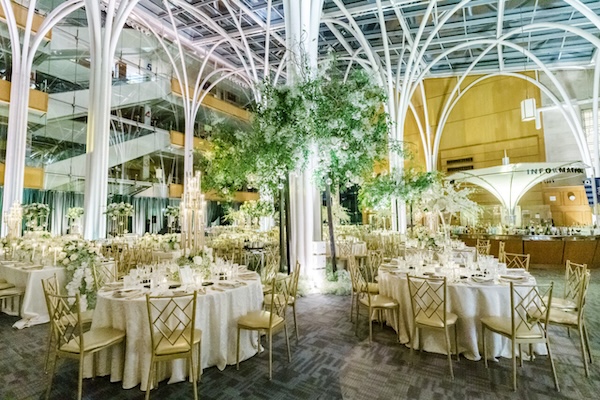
[{"x": 329, "y": 362}]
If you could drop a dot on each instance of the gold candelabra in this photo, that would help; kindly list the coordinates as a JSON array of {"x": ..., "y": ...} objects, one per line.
[
  {"x": 192, "y": 214},
  {"x": 14, "y": 220}
]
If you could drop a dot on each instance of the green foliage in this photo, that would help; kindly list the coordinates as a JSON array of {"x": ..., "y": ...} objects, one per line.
[
  {"x": 343, "y": 120},
  {"x": 352, "y": 127}
]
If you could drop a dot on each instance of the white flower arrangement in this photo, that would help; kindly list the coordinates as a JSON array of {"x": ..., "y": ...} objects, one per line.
[
  {"x": 74, "y": 212},
  {"x": 35, "y": 210},
  {"x": 166, "y": 242},
  {"x": 172, "y": 211},
  {"x": 79, "y": 257},
  {"x": 115, "y": 210},
  {"x": 427, "y": 239}
]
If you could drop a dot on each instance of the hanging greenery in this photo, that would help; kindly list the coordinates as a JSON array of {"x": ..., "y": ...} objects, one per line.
[{"x": 408, "y": 185}]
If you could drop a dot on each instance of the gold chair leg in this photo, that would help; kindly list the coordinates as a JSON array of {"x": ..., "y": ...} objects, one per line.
[
  {"x": 485, "y": 361},
  {"x": 194, "y": 376},
  {"x": 351, "y": 304},
  {"x": 51, "y": 377},
  {"x": 449, "y": 352},
  {"x": 514, "y": 362},
  {"x": 237, "y": 350},
  {"x": 584, "y": 351},
  {"x": 520, "y": 357},
  {"x": 199, "y": 361},
  {"x": 48, "y": 350},
  {"x": 287, "y": 341},
  {"x": 270, "y": 355},
  {"x": 552, "y": 364},
  {"x": 370, "y": 326},
  {"x": 456, "y": 342},
  {"x": 295, "y": 320},
  {"x": 149, "y": 382},
  {"x": 80, "y": 378},
  {"x": 587, "y": 342}
]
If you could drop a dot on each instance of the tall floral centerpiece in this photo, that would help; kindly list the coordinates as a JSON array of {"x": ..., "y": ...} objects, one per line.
[
  {"x": 444, "y": 199},
  {"x": 74, "y": 215},
  {"x": 118, "y": 217},
  {"x": 36, "y": 216},
  {"x": 79, "y": 257},
  {"x": 172, "y": 213}
]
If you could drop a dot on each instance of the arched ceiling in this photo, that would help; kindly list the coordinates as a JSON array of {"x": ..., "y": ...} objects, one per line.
[{"x": 203, "y": 23}]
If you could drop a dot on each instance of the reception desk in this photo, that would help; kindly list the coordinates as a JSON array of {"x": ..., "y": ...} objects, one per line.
[{"x": 546, "y": 250}]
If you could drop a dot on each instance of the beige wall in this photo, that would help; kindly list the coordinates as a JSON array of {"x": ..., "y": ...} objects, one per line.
[{"x": 485, "y": 122}]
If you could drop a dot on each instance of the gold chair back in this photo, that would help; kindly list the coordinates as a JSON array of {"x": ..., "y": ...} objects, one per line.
[
  {"x": 574, "y": 274},
  {"x": 428, "y": 300},
  {"x": 104, "y": 272},
  {"x": 514, "y": 260},
  {"x": 501, "y": 251},
  {"x": 483, "y": 247}
]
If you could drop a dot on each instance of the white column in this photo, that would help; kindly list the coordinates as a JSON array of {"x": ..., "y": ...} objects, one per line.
[
  {"x": 103, "y": 40},
  {"x": 302, "y": 20},
  {"x": 23, "y": 51}
]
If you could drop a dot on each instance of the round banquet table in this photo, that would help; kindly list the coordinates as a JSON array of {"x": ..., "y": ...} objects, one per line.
[
  {"x": 217, "y": 312},
  {"x": 470, "y": 301}
]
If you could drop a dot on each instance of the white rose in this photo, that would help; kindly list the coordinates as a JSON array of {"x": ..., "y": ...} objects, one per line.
[{"x": 73, "y": 257}]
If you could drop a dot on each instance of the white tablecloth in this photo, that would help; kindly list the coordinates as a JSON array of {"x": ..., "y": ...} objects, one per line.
[
  {"x": 216, "y": 315},
  {"x": 470, "y": 302},
  {"x": 33, "y": 309}
]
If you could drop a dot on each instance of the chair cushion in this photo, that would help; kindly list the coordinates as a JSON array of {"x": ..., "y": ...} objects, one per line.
[
  {"x": 6, "y": 285},
  {"x": 11, "y": 292},
  {"x": 564, "y": 304},
  {"x": 95, "y": 339},
  {"x": 562, "y": 317},
  {"x": 180, "y": 346},
  {"x": 379, "y": 301},
  {"x": 502, "y": 325},
  {"x": 436, "y": 320},
  {"x": 258, "y": 320}
]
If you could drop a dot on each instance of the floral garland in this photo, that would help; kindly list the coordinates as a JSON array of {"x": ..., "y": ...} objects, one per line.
[
  {"x": 80, "y": 257},
  {"x": 74, "y": 212},
  {"x": 115, "y": 210}
]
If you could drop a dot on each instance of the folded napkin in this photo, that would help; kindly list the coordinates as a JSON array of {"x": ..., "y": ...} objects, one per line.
[
  {"x": 516, "y": 271},
  {"x": 514, "y": 278},
  {"x": 231, "y": 284},
  {"x": 482, "y": 279}
]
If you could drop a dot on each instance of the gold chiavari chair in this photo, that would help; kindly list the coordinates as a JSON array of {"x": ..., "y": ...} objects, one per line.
[
  {"x": 429, "y": 307},
  {"x": 527, "y": 324},
  {"x": 501, "y": 251},
  {"x": 173, "y": 333},
  {"x": 70, "y": 339},
  {"x": 269, "y": 322},
  {"x": 373, "y": 302},
  {"x": 574, "y": 274},
  {"x": 574, "y": 318},
  {"x": 52, "y": 286}
]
